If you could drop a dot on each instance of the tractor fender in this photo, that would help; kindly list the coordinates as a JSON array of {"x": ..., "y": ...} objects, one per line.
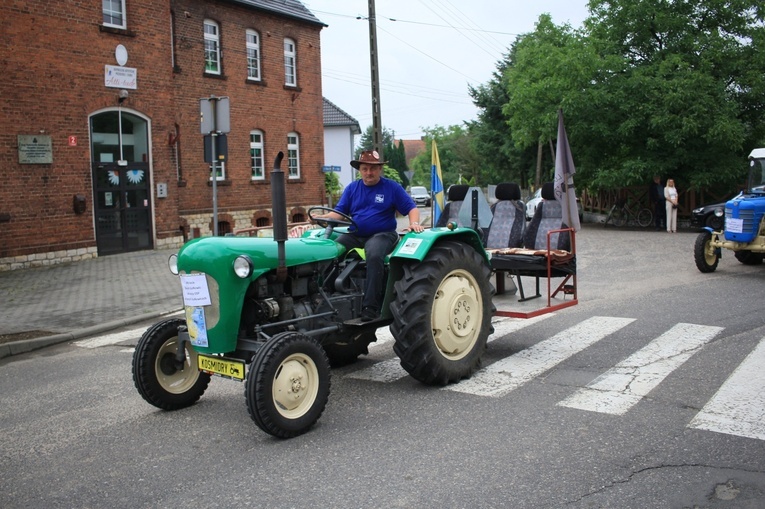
[{"x": 415, "y": 246}]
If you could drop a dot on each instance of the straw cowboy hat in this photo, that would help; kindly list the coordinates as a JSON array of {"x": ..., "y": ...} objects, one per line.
[{"x": 367, "y": 157}]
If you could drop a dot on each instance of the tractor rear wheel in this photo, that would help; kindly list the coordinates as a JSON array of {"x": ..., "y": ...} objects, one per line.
[
  {"x": 155, "y": 373},
  {"x": 704, "y": 254},
  {"x": 287, "y": 386},
  {"x": 748, "y": 257},
  {"x": 442, "y": 312}
]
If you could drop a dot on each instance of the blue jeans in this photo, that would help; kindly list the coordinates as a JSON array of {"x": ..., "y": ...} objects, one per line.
[{"x": 376, "y": 248}]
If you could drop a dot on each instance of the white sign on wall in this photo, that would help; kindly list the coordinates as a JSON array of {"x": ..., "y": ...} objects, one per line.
[{"x": 120, "y": 77}]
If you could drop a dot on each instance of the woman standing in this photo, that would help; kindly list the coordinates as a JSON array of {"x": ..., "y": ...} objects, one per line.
[{"x": 670, "y": 194}]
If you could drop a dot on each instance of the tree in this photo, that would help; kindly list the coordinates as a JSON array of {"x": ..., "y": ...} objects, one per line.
[
  {"x": 501, "y": 159},
  {"x": 392, "y": 173},
  {"x": 687, "y": 87},
  {"x": 395, "y": 157},
  {"x": 456, "y": 150},
  {"x": 551, "y": 68},
  {"x": 365, "y": 143},
  {"x": 332, "y": 186},
  {"x": 648, "y": 86},
  {"x": 397, "y": 160}
]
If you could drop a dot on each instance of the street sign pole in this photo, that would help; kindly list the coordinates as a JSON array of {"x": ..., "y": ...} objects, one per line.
[
  {"x": 214, "y": 135},
  {"x": 215, "y": 119}
]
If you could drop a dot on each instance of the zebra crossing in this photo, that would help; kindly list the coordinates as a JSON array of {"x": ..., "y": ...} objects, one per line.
[
  {"x": 624, "y": 385},
  {"x": 738, "y": 407}
]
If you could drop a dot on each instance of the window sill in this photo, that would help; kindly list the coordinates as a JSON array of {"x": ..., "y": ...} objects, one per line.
[
  {"x": 224, "y": 183},
  {"x": 115, "y": 30},
  {"x": 214, "y": 76},
  {"x": 293, "y": 88},
  {"x": 258, "y": 83}
]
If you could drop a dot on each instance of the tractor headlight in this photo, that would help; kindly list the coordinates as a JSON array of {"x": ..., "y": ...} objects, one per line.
[
  {"x": 719, "y": 212},
  {"x": 172, "y": 263},
  {"x": 243, "y": 266}
]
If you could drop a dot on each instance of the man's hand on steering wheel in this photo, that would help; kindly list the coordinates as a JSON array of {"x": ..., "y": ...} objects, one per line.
[{"x": 330, "y": 223}]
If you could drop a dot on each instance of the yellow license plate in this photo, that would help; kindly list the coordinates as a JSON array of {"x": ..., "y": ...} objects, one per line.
[{"x": 221, "y": 366}]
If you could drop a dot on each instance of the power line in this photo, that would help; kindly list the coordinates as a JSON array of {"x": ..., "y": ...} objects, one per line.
[
  {"x": 482, "y": 34},
  {"x": 429, "y": 56},
  {"x": 400, "y": 20},
  {"x": 340, "y": 74},
  {"x": 445, "y": 11},
  {"x": 365, "y": 83}
]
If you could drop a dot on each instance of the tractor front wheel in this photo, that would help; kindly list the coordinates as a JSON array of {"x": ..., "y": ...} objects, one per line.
[
  {"x": 704, "y": 253},
  {"x": 442, "y": 312},
  {"x": 156, "y": 375},
  {"x": 287, "y": 386}
]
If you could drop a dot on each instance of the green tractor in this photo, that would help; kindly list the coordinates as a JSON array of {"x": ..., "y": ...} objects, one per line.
[{"x": 277, "y": 313}]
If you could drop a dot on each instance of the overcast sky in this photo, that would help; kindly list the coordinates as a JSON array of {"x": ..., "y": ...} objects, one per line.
[{"x": 429, "y": 51}]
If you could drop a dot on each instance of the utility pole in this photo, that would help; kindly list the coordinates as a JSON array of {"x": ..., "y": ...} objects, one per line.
[{"x": 377, "y": 131}]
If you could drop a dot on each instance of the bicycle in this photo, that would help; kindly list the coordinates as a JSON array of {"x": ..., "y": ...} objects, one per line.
[{"x": 621, "y": 213}]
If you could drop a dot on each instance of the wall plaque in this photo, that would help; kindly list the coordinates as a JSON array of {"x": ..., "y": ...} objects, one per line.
[{"x": 35, "y": 149}]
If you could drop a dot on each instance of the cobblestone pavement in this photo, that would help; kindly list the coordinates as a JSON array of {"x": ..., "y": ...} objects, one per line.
[
  {"x": 73, "y": 299},
  {"x": 48, "y": 305}
]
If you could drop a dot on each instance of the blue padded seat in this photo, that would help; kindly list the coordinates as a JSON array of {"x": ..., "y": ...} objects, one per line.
[
  {"x": 548, "y": 216},
  {"x": 532, "y": 259},
  {"x": 509, "y": 218}
]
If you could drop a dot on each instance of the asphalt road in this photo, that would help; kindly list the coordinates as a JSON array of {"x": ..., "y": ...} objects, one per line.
[{"x": 75, "y": 433}]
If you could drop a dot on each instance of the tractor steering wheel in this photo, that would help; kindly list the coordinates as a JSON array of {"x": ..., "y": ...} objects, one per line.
[{"x": 331, "y": 223}]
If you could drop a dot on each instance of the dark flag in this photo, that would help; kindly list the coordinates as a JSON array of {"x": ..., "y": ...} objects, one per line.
[{"x": 564, "y": 178}]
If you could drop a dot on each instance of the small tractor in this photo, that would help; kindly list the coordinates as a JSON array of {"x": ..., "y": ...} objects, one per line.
[
  {"x": 277, "y": 313},
  {"x": 744, "y": 230}
]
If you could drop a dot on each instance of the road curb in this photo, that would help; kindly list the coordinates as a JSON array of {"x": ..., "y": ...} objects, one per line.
[{"x": 28, "y": 345}]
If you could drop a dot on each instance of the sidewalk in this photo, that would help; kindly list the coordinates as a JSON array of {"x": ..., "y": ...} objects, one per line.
[{"x": 48, "y": 305}]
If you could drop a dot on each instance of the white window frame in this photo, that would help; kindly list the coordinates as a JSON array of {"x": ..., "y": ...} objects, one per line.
[
  {"x": 257, "y": 159},
  {"x": 212, "y": 46},
  {"x": 290, "y": 62},
  {"x": 253, "y": 55},
  {"x": 293, "y": 155},
  {"x": 222, "y": 170},
  {"x": 108, "y": 9}
]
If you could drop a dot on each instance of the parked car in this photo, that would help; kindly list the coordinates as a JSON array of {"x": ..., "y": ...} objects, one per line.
[
  {"x": 712, "y": 216},
  {"x": 420, "y": 195},
  {"x": 531, "y": 205}
]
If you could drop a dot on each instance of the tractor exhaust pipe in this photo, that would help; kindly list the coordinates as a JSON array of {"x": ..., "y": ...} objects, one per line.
[{"x": 279, "y": 208}]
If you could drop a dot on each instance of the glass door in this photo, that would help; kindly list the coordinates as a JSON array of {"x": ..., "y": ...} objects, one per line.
[{"x": 122, "y": 195}]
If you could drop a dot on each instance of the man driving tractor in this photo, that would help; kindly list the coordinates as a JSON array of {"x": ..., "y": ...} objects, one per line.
[{"x": 372, "y": 202}]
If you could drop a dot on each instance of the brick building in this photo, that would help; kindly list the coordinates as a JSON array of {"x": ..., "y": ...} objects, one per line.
[{"x": 100, "y": 144}]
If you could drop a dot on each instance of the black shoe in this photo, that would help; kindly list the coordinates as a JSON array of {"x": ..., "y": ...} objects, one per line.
[{"x": 368, "y": 314}]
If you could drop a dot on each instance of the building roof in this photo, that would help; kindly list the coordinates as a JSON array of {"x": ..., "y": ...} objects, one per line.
[
  {"x": 290, "y": 8},
  {"x": 412, "y": 148},
  {"x": 335, "y": 117}
]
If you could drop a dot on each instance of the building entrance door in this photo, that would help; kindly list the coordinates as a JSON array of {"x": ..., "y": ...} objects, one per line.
[
  {"x": 123, "y": 219},
  {"x": 121, "y": 183}
]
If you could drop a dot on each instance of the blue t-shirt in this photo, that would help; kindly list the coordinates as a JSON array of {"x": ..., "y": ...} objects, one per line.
[{"x": 373, "y": 208}]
